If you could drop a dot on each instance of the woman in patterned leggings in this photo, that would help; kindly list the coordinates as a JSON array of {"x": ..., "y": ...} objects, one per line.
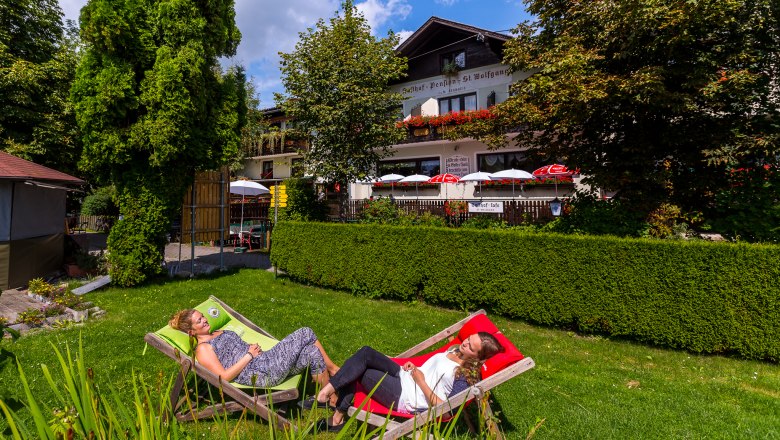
[{"x": 225, "y": 354}]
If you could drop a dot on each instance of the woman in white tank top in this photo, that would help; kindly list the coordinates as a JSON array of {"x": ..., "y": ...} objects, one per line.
[{"x": 407, "y": 388}]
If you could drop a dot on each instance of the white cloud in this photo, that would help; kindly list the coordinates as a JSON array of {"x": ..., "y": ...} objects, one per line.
[
  {"x": 377, "y": 13},
  {"x": 446, "y": 2},
  {"x": 403, "y": 35}
]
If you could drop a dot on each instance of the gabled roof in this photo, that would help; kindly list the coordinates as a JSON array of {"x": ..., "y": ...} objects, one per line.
[
  {"x": 14, "y": 168},
  {"x": 434, "y": 25}
]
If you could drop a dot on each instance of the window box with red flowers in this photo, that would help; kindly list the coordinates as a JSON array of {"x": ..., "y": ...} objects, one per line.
[
  {"x": 403, "y": 185},
  {"x": 528, "y": 184},
  {"x": 424, "y": 126}
]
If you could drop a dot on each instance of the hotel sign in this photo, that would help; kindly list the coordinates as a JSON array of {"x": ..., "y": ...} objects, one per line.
[
  {"x": 466, "y": 80},
  {"x": 492, "y": 207}
]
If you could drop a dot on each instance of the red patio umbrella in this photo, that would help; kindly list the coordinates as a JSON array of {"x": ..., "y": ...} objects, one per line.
[
  {"x": 444, "y": 178},
  {"x": 555, "y": 171}
]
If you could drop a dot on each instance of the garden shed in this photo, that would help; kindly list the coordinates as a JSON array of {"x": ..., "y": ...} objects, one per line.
[{"x": 32, "y": 219}]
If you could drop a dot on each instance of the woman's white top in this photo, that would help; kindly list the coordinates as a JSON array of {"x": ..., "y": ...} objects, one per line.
[{"x": 439, "y": 373}]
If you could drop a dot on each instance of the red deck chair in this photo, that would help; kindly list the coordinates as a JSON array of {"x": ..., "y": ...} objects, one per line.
[{"x": 495, "y": 371}]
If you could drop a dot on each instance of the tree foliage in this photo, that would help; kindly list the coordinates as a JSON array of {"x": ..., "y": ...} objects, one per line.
[
  {"x": 37, "y": 65},
  {"x": 154, "y": 108},
  {"x": 336, "y": 89},
  {"x": 657, "y": 99}
]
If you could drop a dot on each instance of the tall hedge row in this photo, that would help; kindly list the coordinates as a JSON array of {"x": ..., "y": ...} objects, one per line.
[{"x": 700, "y": 296}]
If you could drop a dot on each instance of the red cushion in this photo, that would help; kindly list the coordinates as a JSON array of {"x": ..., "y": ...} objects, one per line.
[
  {"x": 501, "y": 360},
  {"x": 479, "y": 323}
]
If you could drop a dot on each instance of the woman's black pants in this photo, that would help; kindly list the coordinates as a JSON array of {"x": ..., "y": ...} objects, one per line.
[{"x": 371, "y": 369}]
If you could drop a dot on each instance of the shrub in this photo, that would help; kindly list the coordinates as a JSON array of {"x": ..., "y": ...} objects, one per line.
[
  {"x": 303, "y": 203},
  {"x": 40, "y": 287},
  {"x": 101, "y": 202},
  {"x": 696, "y": 295},
  {"x": 53, "y": 310},
  {"x": 587, "y": 214},
  {"x": 483, "y": 222},
  {"x": 32, "y": 317},
  {"x": 87, "y": 261},
  {"x": 380, "y": 210},
  {"x": 750, "y": 208}
]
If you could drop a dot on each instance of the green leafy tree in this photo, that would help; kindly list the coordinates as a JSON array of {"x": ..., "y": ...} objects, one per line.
[
  {"x": 154, "y": 108},
  {"x": 656, "y": 99},
  {"x": 37, "y": 65},
  {"x": 336, "y": 89}
]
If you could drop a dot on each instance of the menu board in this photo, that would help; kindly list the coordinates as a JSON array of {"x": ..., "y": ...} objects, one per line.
[{"x": 457, "y": 165}]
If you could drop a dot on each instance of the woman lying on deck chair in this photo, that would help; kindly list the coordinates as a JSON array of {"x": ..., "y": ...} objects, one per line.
[
  {"x": 225, "y": 354},
  {"x": 407, "y": 388}
]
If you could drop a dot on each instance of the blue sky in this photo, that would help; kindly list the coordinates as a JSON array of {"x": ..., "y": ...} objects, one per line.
[{"x": 271, "y": 26}]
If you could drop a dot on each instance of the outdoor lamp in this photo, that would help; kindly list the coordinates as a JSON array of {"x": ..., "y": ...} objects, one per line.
[{"x": 555, "y": 207}]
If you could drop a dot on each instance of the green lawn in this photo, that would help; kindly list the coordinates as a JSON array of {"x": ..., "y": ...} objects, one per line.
[{"x": 582, "y": 386}]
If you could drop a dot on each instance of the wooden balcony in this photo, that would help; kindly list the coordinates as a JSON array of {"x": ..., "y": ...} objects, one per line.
[{"x": 271, "y": 146}]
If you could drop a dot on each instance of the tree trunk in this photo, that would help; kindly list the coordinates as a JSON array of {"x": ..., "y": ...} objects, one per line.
[{"x": 343, "y": 201}]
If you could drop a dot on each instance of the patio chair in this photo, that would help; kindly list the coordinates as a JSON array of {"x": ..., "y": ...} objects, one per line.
[
  {"x": 176, "y": 345},
  {"x": 495, "y": 371}
]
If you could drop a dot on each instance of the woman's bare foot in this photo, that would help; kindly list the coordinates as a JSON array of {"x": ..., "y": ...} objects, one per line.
[
  {"x": 338, "y": 418},
  {"x": 325, "y": 393}
]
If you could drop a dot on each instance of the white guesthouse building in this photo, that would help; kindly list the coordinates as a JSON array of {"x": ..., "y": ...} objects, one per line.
[{"x": 452, "y": 68}]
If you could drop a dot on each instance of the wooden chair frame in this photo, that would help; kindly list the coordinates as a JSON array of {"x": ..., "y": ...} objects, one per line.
[
  {"x": 185, "y": 409},
  {"x": 480, "y": 390}
]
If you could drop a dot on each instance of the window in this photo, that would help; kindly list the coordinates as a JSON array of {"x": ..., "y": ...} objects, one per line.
[
  {"x": 458, "y": 103},
  {"x": 428, "y": 166},
  {"x": 494, "y": 162},
  {"x": 268, "y": 170},
  {"x": 296, "y": 167},
  {"x": 453, "y": 61},
  {"x": 491, "y": 99}
]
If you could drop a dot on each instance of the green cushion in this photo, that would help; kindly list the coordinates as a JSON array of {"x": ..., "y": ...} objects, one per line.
[
  {"x": 177, "y": 338},
  {"x": 214, "y": 313}
]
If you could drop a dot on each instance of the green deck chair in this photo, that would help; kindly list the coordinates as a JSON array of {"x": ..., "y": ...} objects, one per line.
[{"x": 176, "y": 345}]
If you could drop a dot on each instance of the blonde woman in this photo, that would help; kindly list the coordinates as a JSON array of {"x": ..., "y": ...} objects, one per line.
[{"x": 225, "y": 354}]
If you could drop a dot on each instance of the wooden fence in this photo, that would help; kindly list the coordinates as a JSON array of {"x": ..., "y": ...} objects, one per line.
[
  {"x": 83, "y": 223},
  {"x": 203, "y": 203}
]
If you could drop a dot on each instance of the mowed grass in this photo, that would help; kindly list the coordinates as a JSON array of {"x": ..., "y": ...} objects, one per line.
[{"x": 582, "y": 386}]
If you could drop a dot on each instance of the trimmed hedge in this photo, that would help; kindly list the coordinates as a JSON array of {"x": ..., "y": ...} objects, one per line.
[{"x": 700, "y": 296}]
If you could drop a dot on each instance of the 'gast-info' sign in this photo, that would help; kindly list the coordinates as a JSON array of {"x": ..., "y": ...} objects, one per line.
[{"x": 492, "y": 207}]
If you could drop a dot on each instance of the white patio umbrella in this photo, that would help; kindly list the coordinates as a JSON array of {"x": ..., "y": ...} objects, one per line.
[
  {"x": 246, "y": 188},
  {"x": 391, "y": 179},
  {"x": 416, "y": 179},
  {"x": 478, "y": 177},
  {"x": 512, "y": 174}
]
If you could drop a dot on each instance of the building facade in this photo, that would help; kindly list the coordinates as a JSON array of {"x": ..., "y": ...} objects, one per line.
[{"x": 455, "y": 71}]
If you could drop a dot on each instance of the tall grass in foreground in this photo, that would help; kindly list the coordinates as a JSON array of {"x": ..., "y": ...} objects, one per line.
[{"x": 83, "y": 410}]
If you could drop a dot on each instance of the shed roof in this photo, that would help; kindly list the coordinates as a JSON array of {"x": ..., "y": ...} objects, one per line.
[{"x": 15, "y": 168}]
